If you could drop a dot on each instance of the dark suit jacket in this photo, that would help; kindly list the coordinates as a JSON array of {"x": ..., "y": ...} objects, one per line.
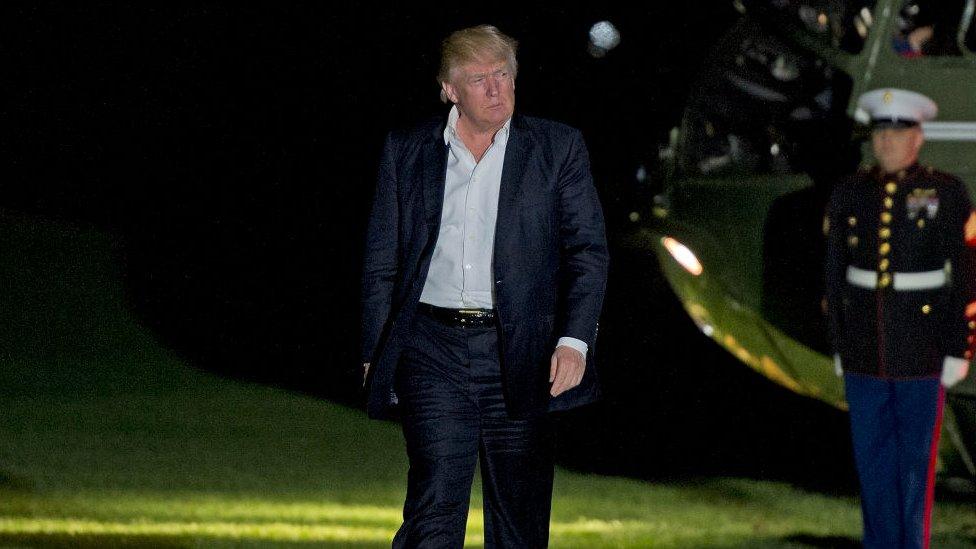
[{"x": 550, "y": 257}]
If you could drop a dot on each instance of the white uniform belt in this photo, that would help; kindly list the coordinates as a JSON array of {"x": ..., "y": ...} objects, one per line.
[{"x": 927, "y": 280}]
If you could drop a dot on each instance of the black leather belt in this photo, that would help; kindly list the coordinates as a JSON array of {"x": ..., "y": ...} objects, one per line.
[{"x": 463, "y": 318}]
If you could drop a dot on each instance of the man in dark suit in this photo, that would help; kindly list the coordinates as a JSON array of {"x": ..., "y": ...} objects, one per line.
[{"x": 485, "y": 270}]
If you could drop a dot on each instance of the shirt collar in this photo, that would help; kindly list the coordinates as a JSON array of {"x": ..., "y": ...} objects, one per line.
[{"x": 450, "y": 131}]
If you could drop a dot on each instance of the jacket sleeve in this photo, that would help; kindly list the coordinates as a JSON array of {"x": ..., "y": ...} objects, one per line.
[
  {"x": 835, "y": 265},
  {"x": 961, "y": 255},
  {"x": 583, "y": 247},
  {"x": 380, "y": 259}
]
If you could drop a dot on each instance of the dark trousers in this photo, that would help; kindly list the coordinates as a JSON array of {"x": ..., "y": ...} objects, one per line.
[
  {"x": 895, "y": 428},
  {"x": 453, "y": 413}
]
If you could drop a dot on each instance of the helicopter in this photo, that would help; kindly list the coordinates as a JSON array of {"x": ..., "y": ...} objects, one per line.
[{"x": 771, "y": 125}]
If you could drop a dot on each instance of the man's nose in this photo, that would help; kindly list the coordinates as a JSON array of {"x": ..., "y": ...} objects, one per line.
[{"x": 492, "y": 88}]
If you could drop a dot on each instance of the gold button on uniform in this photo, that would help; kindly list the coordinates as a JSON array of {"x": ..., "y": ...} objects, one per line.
[
  {"x": 883, "y": 264},
  {"x": 884, "y": 248},
  {"x": 888, "y": 202},
  {"x": 886, "y": 217},
  {"x": 852, "y": 221},
  {"x": 884, "y": 232},
  {"x": 891, "y": 187},
  {"x": 921, "y": 223},
  {"x": 852, "y": 241},
  {"x": 972, "y": 324},
  {"x": 884, "y": 280},
  {"x": 926, "y": 309}
]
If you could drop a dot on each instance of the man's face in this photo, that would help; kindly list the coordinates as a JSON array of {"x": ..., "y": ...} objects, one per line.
[
  {"x": 896, "y": 148},
  {"x": 484, "y": 93}
]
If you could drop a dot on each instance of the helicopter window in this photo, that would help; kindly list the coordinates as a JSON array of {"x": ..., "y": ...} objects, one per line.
[
  {"x": 836, "y": 23},
  {"x": 931, "y": 28},
  {"x": 761, "y": 107}
]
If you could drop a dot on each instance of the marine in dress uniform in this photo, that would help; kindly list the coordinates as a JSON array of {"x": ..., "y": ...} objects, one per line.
[{"x": 898, "y": 278}]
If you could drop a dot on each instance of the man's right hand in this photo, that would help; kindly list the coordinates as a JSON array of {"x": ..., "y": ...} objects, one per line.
[{"x": 365, "y": 373}]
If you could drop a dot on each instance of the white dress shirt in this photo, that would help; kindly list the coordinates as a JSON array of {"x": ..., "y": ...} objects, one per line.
[{"x": 460, "y": 275}]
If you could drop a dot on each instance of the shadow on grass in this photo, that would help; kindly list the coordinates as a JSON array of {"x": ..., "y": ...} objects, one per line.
[
  {"x": 85, "y": 541},
  {"x": 14, "y": 483},
  {"x": 827, "y": 542}
]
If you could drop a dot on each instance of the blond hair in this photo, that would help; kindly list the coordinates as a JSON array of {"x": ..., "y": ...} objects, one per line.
[{"x": 484, "y": 43}]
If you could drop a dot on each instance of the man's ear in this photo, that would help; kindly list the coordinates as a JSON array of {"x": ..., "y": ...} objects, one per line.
[
  {"x": 450, "y": 91},
  {"x": 918, "y": 139}
]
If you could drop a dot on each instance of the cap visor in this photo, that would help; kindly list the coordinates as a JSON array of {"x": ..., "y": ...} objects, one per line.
[{"x": 896, "y": 123}]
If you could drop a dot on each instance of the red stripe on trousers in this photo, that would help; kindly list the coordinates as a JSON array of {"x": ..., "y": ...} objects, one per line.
[{"x": 930, "y": 477}]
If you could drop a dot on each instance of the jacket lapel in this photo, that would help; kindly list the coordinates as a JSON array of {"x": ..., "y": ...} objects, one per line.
[
  {"x": 434, "y": 170},
  {"x": 517, "y": 153}
]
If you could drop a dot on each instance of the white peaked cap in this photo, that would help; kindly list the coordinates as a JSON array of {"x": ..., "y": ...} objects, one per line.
[{"x": 896, "y": 107}]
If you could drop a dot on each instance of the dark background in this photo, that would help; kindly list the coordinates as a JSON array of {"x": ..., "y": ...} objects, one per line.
[{"x": 232, "y": 152}]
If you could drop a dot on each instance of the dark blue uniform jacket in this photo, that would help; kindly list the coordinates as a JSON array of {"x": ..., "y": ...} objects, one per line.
[{"x": 909, "y": 222}]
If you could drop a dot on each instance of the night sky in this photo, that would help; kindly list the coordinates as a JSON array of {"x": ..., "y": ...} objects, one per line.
[{"x": 231, "y": 152}]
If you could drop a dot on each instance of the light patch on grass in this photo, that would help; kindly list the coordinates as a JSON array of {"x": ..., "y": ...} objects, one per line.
[{"x": 272, "y": 531}]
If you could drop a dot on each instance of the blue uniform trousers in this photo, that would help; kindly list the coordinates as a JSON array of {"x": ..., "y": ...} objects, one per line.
[
  {"x": 449, "y": 384},
  {"x": 895, "y": 426}
]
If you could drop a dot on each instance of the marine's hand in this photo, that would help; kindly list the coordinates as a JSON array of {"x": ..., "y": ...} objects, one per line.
[
  {"x": 954, "y": 370},
  {"x": 838, "y": 368},
  {"x": 565, "y": 369}
]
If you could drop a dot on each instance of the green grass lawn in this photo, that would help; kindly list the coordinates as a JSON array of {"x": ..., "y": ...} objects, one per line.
[{"x": 109, "y": 440}]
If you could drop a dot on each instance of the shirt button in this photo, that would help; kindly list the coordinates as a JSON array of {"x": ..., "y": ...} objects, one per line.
[{"x": 467, "y": 266}]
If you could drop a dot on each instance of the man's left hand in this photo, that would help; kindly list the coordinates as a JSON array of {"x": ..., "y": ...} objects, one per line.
[
  {"x": 954, "y": 370},
  {"x": 565, "y": 369}
]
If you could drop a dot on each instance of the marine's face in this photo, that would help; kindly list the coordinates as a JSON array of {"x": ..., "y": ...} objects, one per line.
[
  {"x": 896, "y": 148},
  {"x": 484, "y": 94}
]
